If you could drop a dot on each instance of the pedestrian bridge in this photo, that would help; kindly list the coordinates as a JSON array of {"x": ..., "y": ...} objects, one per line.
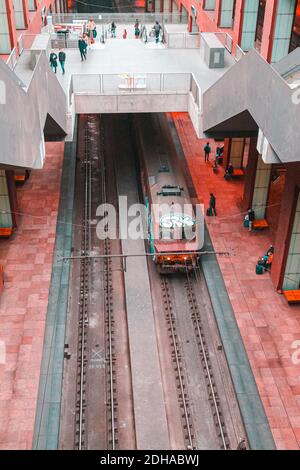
[{"x": 129, "y": 76}]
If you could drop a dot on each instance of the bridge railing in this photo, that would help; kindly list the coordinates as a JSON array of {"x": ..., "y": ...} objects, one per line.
[
  {"x": 131, "y": 83},
  {"x": 13, "y": 59},
  {"x": 182, "y": 40},
  {"x": 239, "y": 53},
  {"x": 118, "y": 18},
  {"x": 225, "y": 39},
  {"x": 136, "y": 83}
]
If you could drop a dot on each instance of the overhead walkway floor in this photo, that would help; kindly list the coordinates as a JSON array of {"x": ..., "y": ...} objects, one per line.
[{"x": 133, "y": 56}]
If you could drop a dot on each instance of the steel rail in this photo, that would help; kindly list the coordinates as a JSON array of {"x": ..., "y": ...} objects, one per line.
[
  {"x": 108, "y": 295},
  {"x": 83, "y": 320},
  {"x": 170, "y": 317},
  {"x": 205, "y": 354}
]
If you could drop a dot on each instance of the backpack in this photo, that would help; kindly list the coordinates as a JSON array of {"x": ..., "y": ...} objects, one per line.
[
  {"x": 61, "y": 56},
  {"x": 259, "y": 269}
]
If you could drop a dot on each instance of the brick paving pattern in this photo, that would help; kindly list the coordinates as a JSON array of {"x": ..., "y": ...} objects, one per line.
[
  {"x": 269, "y": 326},
  {"x": 27, "y": 261}
]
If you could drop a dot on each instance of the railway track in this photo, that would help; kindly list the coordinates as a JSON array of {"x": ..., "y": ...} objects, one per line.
[
  {"x": 205, "y": 360},
  {"x": 111, "y": 400},
  {"x": 178, "y": 367},
  {"x": 81, "y": 405},
  {"x": 92, "y": 150}
]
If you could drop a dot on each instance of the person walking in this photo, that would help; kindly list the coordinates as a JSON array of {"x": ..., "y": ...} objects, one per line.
[
  {"x": 91, "y": 31},
  {"x": 207, "y": 152},
  {"x": 82, "y": 48},
  {"x": 62, "y": 60},
  {"x": 113, "y": 29},
  {"x": 124, "y": 34},
  {"x": 157, "y": 29},
  {"x": 251, "y": 218},
  {"x": 212, "y": 204},
  {"x": 137, "y": 24},
  {"x": 136, "y": 29},
  {"x": 53, "y": 61}
]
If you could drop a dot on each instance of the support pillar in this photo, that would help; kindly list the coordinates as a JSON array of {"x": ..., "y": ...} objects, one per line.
[
  {"x": 250, "y": 174},
  {"x": 226, "y": 154},
  {"x": 236, "y": 152},
  {"x": 286, "y": 264},
  {"x": 8, "y": 203}
]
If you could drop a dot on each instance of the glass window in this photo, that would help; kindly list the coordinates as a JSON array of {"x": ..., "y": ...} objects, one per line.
[
  {"x": 260, "y": 24},
  {"x": 295, "y": 39},
  {"x": 283, "y": 29},
  {"x": 227, "y": 13},
  {"x": 210, "y": 4}
]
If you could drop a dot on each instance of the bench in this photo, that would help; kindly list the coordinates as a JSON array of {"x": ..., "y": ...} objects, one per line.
[
  {"x": 238, "y": 172},
  {"x": 292, "y": 296},
  {"x": 19, "y": 178},
  {"x": 5, "y": 232},
  {"x": 260, "y": 224}
]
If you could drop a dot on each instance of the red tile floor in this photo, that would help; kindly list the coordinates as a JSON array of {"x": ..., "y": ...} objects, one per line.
[
  {"x": 269, "y": 327},
  {"x": 27, "y": 261}
]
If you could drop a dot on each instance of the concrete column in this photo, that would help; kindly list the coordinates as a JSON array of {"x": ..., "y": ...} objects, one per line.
[
  {"x": 8, "y": 200},
  {"x": 250, "y": 174},
  {"x": 226, "y": 153},
  {"x": 236, "y": 152},
  {"x": 286, "y": 236},
  {"x": 261, "y": 188},
  {"x": 10, "y": 179}
]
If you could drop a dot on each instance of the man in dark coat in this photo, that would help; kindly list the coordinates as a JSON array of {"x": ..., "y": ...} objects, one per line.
[
  {"x": 207, "y": 151},
  {"x": 62, "y": 60},
  {"x": 82, "y": 48},
  {"x": 212, "y": 204}
]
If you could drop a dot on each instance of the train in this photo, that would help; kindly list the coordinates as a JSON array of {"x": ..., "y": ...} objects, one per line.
[{"x": 172, "y": 228}]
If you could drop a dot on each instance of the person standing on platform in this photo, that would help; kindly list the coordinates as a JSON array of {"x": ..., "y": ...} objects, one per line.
[
  {"x": 82, "y": 48},
  {"x": 212, "y": 204},
  {"x": 136, "y": 24},
  {"x": 124, "y": 34},
  {"x": 207, "y": 152},
  {"x": 91, "y": 31},
  {"x": 62, "y": 60},
  {"x": 157, "y": 29},
  {"x": 53, "y": 61},
  {"x": 113, "y": 29},
  {"x": 251, "y": 218},
  {"x": 136, "y": 29}
]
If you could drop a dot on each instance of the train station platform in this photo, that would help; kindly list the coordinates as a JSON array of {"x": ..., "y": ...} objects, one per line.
[
  {"x": 27, "y": 260},
  {"x": 269, "y": 327}
]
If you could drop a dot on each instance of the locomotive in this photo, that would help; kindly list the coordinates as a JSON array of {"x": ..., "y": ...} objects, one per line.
[{"x": 171, "y": 225}]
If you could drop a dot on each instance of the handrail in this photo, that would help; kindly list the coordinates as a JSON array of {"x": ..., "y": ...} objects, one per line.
[
  {"x": 239, "y": 53},
  {"x": 139, "y": 83},
  {"x": 119, "y": 17},
  {"x": 225, "y": 39},
  {"x": 12, "y": 59}
]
